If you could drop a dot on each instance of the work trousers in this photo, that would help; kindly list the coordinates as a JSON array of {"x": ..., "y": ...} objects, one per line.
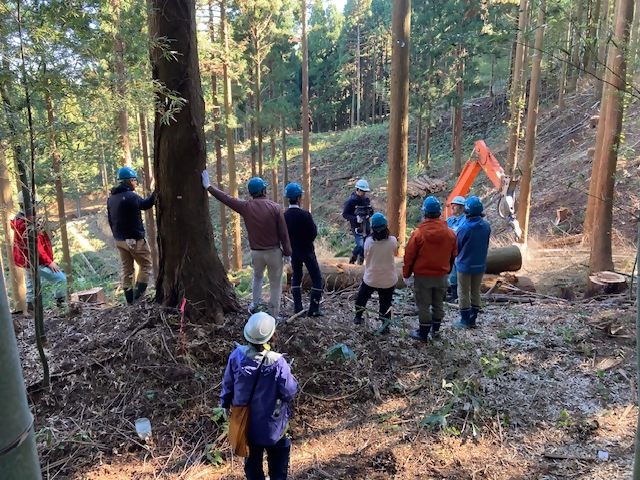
[
  {"x": 47, "y": 277},
  {"x": 277, "y": 460},
  {"x": 385, "y": 296},
  {"x": 139, "y": 253},
  {"x": 469, "y": 289},
  {"x": 309, "y": 260},
  {"x": 271, "y": 260},
  {"x": 358, "y": 250},
  {"x": 430, "y": 293}
]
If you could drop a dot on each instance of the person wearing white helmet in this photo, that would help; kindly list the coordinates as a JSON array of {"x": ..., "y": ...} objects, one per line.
[
  {"x": 262, "y": 379},
  {"x": 49, "y": 270},
  {"x": 454, "y": 222},
  {"x": 358, "y": 210}
]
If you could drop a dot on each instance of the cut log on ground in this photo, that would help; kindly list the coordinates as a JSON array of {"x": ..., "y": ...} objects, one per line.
[
  {"x": 423, "y": 186},
  {"x": 563, "y": 241},
  {"x": 504, "y": 259},
  {"x": 93, "y": 295}
]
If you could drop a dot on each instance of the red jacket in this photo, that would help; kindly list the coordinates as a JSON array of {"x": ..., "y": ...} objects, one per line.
[
  {"x": 20, "y": 244},
  {"x": 430, "y": 250}
]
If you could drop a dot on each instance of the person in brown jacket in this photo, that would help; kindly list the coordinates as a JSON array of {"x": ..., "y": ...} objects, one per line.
[
  {"x": 429, "y": 256},
  {"x": 268, "y": 239}
]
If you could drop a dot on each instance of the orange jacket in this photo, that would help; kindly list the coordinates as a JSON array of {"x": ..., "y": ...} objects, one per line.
[{"x": 431, "y": 250}]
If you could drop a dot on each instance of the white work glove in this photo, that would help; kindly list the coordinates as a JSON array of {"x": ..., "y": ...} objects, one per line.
[
  {"x": 205, "y": 179},
  {"x": 408, "y": 281},
  {"x": 286, "y": 260},
  {"x": 359, "y": 219}
]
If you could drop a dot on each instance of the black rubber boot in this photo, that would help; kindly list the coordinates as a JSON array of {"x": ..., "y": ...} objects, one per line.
[
  {"x": 61, "y": 301},
  {"x": 421, "y": 334},
  {"x": 473, "y": 316},
  {"x": 385, "y": 322},
  {"x": 314, "y": 303},
  {"x": 140, "y": 289},
  {"x": 353, "y": 259},
  {"x": 360, "y": 260},
  {"x": 296, "y": 293},
  {"x": 465, "y": 320},
  {"x": 453, "y": 294},
  {"x": 128, "y": 295},
  {"x": 435, "y": 329},
  {"x": 357, "y": 320},
  {"x": 29, "y": 307}
]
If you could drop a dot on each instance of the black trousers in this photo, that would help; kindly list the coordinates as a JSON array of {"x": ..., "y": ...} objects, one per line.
[
  {"x": 311, "y": 262},
  {"x": 385, "y": 296}
]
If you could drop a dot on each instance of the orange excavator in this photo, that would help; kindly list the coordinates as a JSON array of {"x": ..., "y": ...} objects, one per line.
[{"x": 483, "y": 159}]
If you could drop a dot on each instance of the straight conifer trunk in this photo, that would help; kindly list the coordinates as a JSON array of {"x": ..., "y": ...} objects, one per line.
[
  {"x": 306, "y": 157},
  {"x": 532, "y": 120},
  {"x": 419, "y": 140},
  {"x": 457, "y": 130},
  {"x": 399, "y": 121},
  {"x": 190, "y": 268},
  {"x": 150, "y": 221},
  {"x": 601, "y": 257},
  {"x": 577, "y": 42},
  {"x": 236, "y": 245},
  {"x": 121, "y": 89}
]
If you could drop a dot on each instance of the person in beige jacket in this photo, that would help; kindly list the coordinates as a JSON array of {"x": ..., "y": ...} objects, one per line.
[{"x": 380, "y": 271}]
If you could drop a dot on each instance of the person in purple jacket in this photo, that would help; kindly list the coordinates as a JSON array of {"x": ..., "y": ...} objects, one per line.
[{"x": 274, "y": 391}]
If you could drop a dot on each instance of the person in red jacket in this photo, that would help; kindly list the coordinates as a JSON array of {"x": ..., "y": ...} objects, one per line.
[
  {"x": 50, "y": 272},
  {"x": 429, "y": 256}
]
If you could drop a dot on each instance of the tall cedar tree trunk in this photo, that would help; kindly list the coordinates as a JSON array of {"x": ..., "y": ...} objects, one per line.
[
  {"x": 575, "y": 57},
  {"x": 16, "y": 274},
  {"x": 419, "y": 140},
  {"x": 252, "y": 128},
  {"x": 635, "y": 40},
  {"x": 121, "y": 88},
  {"x": 103, "y": 164},
  {"x": 532, "y": 119},
  {"x": 285, "y": 167},
  {"x": 189, "y": 264},
  {"x": 427, "y": 144},
  {"x": 591, "y": 40},
  {"x": 272, "y": 134},
  {"x": 358, "y": 85},
  {"x": 217, "y": 118},
  {"x": 516, "y": 93},
  {"x": 399, "y": 121},
  {"x": 306, "y": 158},
  {"x": 57, "y": 179},
  {"x": 258, "y": 118},
  {"x": 457, "y": 130},
  {"x": 236, "y": 245},
  {"x": 602, "y": 48},
  {"x": 562, "y": 83},
  {"x": 150, "y": 221},
  {"x": 374, "y": 79},
  {"x": 601, "y": 254}
]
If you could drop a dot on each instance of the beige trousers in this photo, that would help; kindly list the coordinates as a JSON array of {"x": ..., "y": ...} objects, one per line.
[{"x": 138, "y": 253}]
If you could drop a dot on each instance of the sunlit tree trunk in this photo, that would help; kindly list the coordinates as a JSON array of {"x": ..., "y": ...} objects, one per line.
[
  {"x": 577, "y": 43},
  {"x": 591, "y": 40},
  {"x": 399, "y": 121},
  {"x": 285, "y": 167},
  {"x": 358, "y": 85},
  {"x": 150, "y": 221},
  {"x": 257, "y": 66},
  {"x": 121, "y": 88},
  {"x": 457, "y": 128},
  {"x": 532, "y": 120},
  {"x": 190, "y": 269},
  {"x": 603, "y": 33},
  {"x": 306, "y": 157},
  {"x": 236, "y": 245},
  {"x": 562, "y": 84}
]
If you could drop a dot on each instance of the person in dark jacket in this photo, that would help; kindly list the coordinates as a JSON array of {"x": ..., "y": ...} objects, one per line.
[
  {"x": 357, "y": 209},
  {"x": 275, "y": 388},
  {"x": 473, "y": 245},
  {"x": 123, "y": 209},
  {"x": 302, "y": 232}
]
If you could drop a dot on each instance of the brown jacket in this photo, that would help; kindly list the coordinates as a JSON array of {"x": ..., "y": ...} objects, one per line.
[
  {"x": 431, "y": 250},
  {"x": 263, "y": 218}
]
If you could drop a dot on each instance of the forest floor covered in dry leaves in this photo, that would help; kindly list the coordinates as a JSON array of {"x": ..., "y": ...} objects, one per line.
[{"x": 536, "y": 392}]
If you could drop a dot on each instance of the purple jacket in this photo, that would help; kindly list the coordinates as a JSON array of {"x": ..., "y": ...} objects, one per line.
[{"x": 268, "y": 418}]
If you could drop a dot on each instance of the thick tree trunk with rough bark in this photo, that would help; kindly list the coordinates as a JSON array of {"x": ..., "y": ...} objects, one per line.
[
  {"x": 532, "y": 121},
  {"x": 190, "y": 269},
  {"x": 306, "y": 157},
  {"x": 601, "y": 257},
  {"x": 399, "y": 121}
]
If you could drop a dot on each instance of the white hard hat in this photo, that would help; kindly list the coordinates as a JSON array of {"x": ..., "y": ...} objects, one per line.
[
  {"x": 458, "y": 201},
  {"x": 21, "y": 198},
  {"x": 363, "y": 185},
  {"x": 259, "y": 328}
]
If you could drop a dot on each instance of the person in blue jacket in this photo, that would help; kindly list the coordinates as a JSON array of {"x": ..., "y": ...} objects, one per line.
[
  {"x": 123, "y": 210},
  {"x": 302, "y": 232},
  {"x": 454, "y": 222},
  {"x": 275, "y": 389},
  {"x": 473, "y": 245},
  {"x": 357, "y": 209}
]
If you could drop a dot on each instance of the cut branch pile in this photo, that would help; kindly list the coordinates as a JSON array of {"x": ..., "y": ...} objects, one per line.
[{"x": 424, "y": 185}]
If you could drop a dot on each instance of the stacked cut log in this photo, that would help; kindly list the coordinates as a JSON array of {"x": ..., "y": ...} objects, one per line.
[
  {"x": 423, "y": 186},
  {"x": 339, "y": 274}
]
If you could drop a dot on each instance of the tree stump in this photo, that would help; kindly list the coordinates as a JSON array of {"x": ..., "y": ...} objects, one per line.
[
  {"x": 93, "y": 295},
  {"x": 610, "y": 282}
]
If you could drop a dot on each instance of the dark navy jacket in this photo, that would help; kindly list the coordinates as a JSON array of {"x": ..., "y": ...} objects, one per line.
[
  {"x": 473, "y": 245},
  {"x": 123, "y": 209},
  {"x": 349, "y": 210},
  {"x": 302, "y": 230}
]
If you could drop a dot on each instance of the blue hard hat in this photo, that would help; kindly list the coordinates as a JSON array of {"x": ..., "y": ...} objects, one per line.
[
  {"x": 293, "y": 190},
  {"x": 431, "y": 206},
  {"x": 256, "y": 185},
  {"x": 378, "y": 220},
  {"x": 473, "y": 206},
  {"x": 126, "y": 172}
]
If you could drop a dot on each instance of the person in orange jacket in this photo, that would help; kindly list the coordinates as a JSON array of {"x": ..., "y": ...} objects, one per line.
[{"x": 429, "y": 256}]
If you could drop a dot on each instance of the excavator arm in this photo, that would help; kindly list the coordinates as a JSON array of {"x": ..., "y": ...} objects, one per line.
[{"x": 483, "y": 159}]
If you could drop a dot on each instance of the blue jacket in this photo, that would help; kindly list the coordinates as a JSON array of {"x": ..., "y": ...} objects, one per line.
[
  {"x": 455, "y": 223},
  {"x": 123, "y": 210},
  {"x": 473, "y": 245},
  {"x": 267, "y": 418},
  {"x": 349, "y": 210}
]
